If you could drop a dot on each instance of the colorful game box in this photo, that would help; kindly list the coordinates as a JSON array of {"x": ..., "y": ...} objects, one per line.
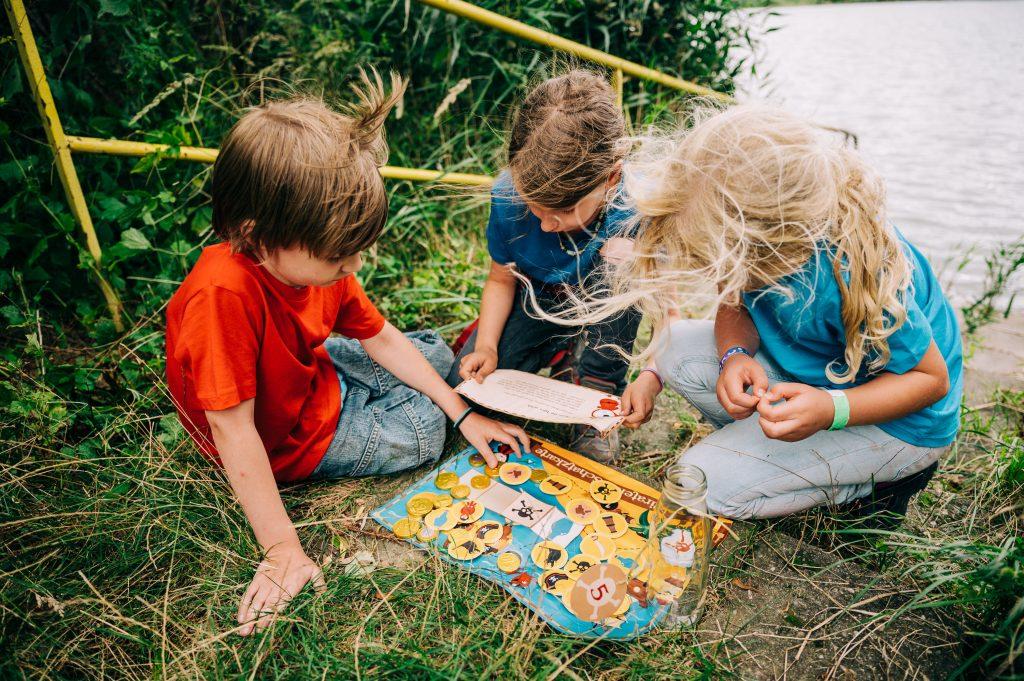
[{"x": 556, "y": 530}]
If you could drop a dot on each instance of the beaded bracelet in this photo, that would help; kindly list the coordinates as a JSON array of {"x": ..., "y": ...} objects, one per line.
[{"x": 734, "y": 350}]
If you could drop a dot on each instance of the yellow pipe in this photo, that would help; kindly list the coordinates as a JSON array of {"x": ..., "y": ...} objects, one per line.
[
  {"x": 94, "y": 145},
  {"x": 521, "y": 30},
  {"x": 58, "y": 142},
  {"x": 617, "y": 79}
]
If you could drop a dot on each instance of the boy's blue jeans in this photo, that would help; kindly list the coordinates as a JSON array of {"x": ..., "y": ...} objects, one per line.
[
  {"x": 385, "y": 426},
  {"x": 749, "y": 475}
]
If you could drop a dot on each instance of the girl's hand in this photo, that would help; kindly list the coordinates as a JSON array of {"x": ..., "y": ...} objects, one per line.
[
  {"x": 637, "y": 403},
  {"x": 806, "y": 410},
  {"x": 739, "y": 373},
  {"x": 279, "y": 577},
  {"x": 478, "y": 365},
  {"x": 480, "y": 431}
]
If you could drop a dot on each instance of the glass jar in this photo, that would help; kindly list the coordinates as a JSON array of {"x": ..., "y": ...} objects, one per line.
[{"x": 673, "y": 567}]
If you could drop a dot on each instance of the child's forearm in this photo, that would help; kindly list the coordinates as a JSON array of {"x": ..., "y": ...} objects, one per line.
[
  {"x": 392, "y": 350},
  {"x": 248, "y": 470},
  {"x": 892, "y": 396},
  {"x": 733, "y": 326},
  {"x": 495, "y": 307}
]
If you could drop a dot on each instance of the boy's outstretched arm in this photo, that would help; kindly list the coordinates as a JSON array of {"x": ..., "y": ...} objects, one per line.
[
  {"x": 392, "y": 350},
  {"x": 285, "y": 568}
]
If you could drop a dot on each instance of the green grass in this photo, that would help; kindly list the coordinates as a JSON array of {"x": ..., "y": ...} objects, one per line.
[{"x": 122, "y": 553}]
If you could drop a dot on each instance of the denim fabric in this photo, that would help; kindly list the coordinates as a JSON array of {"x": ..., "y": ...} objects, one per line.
[
  {"x": 385, "y": 426},
  {"x": 750, "y": 475},
  {"x": 528, "y": 344}
]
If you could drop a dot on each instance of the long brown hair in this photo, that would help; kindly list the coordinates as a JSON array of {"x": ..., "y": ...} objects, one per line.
[
  {"x": 565, "y": 139},
  {"x": 297, "y": 173}
]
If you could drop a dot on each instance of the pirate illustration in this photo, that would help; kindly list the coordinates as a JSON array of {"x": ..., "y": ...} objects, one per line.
[
  {"x": 606, "y": 407},
  {"x": 581, "y": 566},
  {"x": 553, "y": 578},
  {"x": 468, "y": 509},
  {"x": 523, "y": 580},
  {"x": 525, "y": 511},
  {"x": 677, "y": 548},
  {"x": 603, "y": 491},
  {"x": 638, "y": 590},
  {"x": 553, "y": 556},
  {"x": 582, "y": 510}
]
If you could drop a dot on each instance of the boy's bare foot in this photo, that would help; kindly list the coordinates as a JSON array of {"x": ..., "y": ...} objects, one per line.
[{"x": 593, "y": 446}]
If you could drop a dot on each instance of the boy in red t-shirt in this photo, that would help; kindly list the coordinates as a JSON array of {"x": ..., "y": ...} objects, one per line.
[{"x": 257, "y": 381}]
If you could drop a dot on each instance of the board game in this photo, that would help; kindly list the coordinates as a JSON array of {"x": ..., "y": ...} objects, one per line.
[{"x": 558, "y": 531}]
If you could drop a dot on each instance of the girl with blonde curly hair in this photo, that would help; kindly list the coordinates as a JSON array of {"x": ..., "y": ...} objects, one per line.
[{"x": 833, "y": 368}]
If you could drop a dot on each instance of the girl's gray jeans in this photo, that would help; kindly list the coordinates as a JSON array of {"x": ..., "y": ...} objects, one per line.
[{"x": 752, "y": 476}]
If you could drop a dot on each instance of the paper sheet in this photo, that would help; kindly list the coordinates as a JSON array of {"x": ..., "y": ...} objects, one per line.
[{"x": 538, "y": 398}]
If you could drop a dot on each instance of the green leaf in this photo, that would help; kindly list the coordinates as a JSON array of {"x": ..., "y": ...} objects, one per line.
[
  {"x": 117, "y": 8},
  {"x": 135, "y": 240}
]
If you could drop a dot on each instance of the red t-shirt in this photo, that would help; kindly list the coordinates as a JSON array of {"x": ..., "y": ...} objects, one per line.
[{"x": 234, "y": 332}]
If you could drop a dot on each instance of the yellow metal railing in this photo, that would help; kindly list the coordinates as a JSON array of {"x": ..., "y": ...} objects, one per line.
[{"x": 63, "y": 145}]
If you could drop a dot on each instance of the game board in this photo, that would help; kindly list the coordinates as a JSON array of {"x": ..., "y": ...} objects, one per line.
[{"x": 538, "y": 506}]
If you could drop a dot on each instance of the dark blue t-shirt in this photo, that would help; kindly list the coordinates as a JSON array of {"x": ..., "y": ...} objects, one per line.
[
  {"x": 802, "y": 331},
  {"x": 514, "y": 236}
]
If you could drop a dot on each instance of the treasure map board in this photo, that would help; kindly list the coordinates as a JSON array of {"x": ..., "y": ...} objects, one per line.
[{"x": 497, "y": 523}]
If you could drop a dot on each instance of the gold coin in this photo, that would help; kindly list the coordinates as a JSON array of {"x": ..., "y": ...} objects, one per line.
[
  {"x": 610, "y": 524},
  {"x": 465, "y": 548},
  {"x": 419, "y": 507},
  {"x": 538, "y": 475},
  {"x": 406, "y": 527},
  {"x": 605, "y": 492},
  {"x": 480, "y": 482},
  {"x": 442, "y": 501},
  {"x": 514, "y": 473},
  {"x": 446, "y": 480},
  {"x": 509, "y": 562},
  {"x": 487, "y": 531},
  {"x": 460, "y": 491},
  {"x": 582, "y": 511},
  {"x": 477, "y": 459},
  {"x": 468, "y": 511},
  {"x": 555, "y": 582},
  {"x": 548, "y": 555},
  {"x": 596, "y": 545},
  {"x": 491, "y": 471},
  {"x": 443, "y": 519},
  {"x": 579, "y": 564},
  {"x": 556, "y": 484}
]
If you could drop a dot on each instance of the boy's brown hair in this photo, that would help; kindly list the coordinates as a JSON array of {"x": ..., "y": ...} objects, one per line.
[
  {"x": 297, "y": 173},
  {"x": 565, "y": 139}
]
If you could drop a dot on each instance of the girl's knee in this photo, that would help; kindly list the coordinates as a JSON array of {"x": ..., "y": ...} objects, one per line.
[
  {"x": 689, "y": 359},
  {"x": 728, "y": 491}
]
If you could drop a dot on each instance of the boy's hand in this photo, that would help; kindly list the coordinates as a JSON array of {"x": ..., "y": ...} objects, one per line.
[
  {"x": 478, "y": 365},
  {"x": 806, "y": 410},
  {"x": 480, "y": 431},
  {"x": 739, "y": 373},
  {"x": 637, "y": 403},
  {"x": 281, "y": 575}
]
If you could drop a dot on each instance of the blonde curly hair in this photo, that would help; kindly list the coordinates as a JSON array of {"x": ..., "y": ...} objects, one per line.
[{"x": 744, "y": 197}]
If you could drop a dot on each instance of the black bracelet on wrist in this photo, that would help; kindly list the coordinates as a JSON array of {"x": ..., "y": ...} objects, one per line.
[{"x": 462, "y": 417}]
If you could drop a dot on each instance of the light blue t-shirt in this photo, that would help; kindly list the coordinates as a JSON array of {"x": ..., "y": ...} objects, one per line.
[
  {"x": 804, "y": 333},
  {"x": 514, "y": 236}
]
